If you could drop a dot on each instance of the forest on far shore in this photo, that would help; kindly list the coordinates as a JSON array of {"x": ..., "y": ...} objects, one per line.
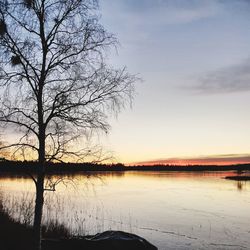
[{"x": 31, "y": 166}]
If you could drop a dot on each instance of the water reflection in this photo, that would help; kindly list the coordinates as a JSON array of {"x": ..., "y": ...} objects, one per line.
[
  {"x": 184, "y": 210},
  {"x": 241, "y": 185}
]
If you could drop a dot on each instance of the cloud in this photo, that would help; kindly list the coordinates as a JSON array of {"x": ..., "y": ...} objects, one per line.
[
  {"x": 143, "y": 22},
  {"x": 161, "y": 12},
  {"x": 227, "y": 159},
  {"x": 231, "y": 79},
  {"x": 176, "y": 12}
]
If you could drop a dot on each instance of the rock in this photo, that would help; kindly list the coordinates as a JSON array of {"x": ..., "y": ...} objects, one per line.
[{"x": 111, "y": 240}]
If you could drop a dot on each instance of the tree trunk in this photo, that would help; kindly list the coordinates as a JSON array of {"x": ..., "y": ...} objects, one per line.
[
  {"x": 37, "y": 226},
  {"x": 38, "y": 212}
]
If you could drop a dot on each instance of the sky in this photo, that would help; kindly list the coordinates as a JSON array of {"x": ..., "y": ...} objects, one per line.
[{"x": 193, "y": 102}]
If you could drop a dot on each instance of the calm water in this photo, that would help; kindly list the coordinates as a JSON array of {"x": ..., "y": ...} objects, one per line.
[{"x": 171, "y": 210}]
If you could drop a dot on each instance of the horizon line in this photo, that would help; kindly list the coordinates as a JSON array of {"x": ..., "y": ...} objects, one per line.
[{"x": 223, "y": 159}]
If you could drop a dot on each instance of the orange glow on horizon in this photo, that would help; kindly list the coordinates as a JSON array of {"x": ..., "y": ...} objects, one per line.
[{"x": 216, "y": 160}]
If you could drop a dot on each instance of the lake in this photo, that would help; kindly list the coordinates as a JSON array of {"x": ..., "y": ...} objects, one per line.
[{"x": 173, "y": 210}]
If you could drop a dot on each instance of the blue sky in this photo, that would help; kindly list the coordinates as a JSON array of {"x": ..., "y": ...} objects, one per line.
[{"x": 194, "y": 59}]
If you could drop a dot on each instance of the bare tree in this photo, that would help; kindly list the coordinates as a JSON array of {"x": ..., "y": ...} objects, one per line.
[{"x": 55, "y": 85}]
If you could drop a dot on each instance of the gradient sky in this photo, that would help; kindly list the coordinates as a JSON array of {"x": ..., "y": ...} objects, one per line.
[{"x": 194, "y": 59}]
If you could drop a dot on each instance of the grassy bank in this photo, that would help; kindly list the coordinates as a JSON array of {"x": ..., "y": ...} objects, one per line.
[
  {"x": 17, "y": 236},
  {"x": 13, "y": 235}
]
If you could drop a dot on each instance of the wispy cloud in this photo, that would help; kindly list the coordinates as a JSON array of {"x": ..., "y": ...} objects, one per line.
[
  {"x": 162, "y": 12},
  {"x": 235, "y": 78},
  {"x": 203, "y": 160}
]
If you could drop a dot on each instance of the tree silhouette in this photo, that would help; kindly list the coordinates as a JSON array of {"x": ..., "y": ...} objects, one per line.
[{"x": 54, "y": 79}]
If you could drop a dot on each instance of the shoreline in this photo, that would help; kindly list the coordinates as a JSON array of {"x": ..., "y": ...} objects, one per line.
[
  {"x": 17, "y": 236},
  {"x": 30, "y": 167}
]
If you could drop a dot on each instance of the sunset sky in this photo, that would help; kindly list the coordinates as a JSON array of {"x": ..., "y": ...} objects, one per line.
[{"x": 194, "y": 59}]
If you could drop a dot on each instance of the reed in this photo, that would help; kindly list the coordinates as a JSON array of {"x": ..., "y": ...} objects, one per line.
[{"x": 60, "y": 216}]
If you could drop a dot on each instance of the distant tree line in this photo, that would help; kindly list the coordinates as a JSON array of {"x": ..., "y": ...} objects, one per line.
[{"x": 50, "y": 167}]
